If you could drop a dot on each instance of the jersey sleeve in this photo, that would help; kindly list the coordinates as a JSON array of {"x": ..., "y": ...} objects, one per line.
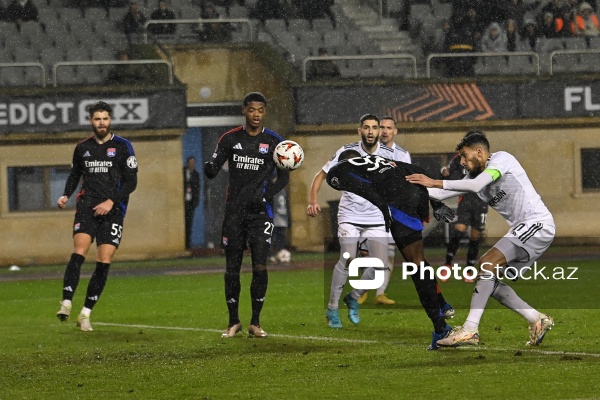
[
  {"x": 74, "y": 174},
  {"x": 500, "y": 162},
  {"x": 341, "y": 177},
  {"x": 334, "y": 160},
  {"x": 128, "y": 168},
  {"x": 221, "y": 154}
]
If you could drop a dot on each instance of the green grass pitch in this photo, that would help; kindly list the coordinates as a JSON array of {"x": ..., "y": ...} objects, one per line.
[{"x": 157, "y": 336}]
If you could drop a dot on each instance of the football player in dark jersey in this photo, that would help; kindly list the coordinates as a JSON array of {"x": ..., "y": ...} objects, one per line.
[
  {"x": 248, "y": 211},
  {"x": 108, "y": 166},
  {"x": 404, "y": 208}
]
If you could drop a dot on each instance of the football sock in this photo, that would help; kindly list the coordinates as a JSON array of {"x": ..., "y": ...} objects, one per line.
[
  {"x": 258, "y": 290},
  {"x": 472, "y": 252},
  {"x": 453, "y": 245},
  {"x": 486, "y": 282},
  {"x": 96, "y": 285},
  {"x": 232, "y": 296},
  {"x": 71, "y": 278},
  {"x": 387, "y": 274},
  {"x": 508, "y": 298},
  {"x": 426, "y": 289},
  {"x": 338, "y": 280},
  {"x": 440, "y": 295},
  {"x": 86, "y": 311}
]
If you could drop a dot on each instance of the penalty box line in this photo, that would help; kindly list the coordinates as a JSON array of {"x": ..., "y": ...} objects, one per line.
[{"x": 358, "y": 341}]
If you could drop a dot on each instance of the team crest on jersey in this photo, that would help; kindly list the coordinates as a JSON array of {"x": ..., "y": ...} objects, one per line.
[
  {"x": 111, "y": 152},
  {"x": 263, "y": 148},
  {"x": 225, "y": 240}
]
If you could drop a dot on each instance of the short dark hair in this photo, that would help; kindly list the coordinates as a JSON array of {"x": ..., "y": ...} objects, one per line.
[
  {"x": 346, "y": 154},
  {"x": 254, "y": 96},
  {"x": 390, "y": 118},
  {"x": 368, "y": 116},
  {"x": 100, "y": 106},
  {"x": 472, "y": 138}
]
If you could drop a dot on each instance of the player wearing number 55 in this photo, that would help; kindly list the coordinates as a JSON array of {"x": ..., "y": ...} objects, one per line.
[{"x": 108, "y": 166}]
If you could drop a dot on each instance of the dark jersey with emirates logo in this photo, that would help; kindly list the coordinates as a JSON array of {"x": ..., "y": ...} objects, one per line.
[
  {"x": 109, "y": 171},
  {"x": 252, "y": 172}
]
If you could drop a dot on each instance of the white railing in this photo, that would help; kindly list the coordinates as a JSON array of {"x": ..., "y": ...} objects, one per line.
[
  {"x": 200, "y": 21},
  {"x": 362, "y": 57},
  {"x": 430, "y": 57},
  {"x": 560, "y": 52},
  {"x": 58, "y": 65},
  {"x": 28, "y": 65}
]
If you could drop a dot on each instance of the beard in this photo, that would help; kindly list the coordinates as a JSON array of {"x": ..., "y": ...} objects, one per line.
[
  {"x": 101, "y": 134},
  {"x": 367, "y": 144},
  {"x": 477, "y": 169}
]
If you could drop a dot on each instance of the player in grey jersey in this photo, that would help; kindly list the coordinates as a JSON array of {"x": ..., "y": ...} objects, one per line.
[{"x": 499, "y": 179}]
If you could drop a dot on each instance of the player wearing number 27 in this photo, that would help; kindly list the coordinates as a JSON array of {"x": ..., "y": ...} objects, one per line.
[
  {"x": 248, "y": 211},
  {"x": 108, "y": 166},
  {"x": 500, "y": 180}
]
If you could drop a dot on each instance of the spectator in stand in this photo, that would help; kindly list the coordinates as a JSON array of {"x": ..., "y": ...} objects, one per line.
[
  {"x": 3, "y": 13},
  {"x": 435, "y": 41},
  {"x": 314, "y": 9},
  {"x": 516, "y": 9},
  {"x": 530, "y": 35},
  {"x": 565, "y": 22},
  {"x": 512, "y": 35},
  {"x": 462, "y": 38},
  {"x": 266, "y": 9},
  {"x": 586, "y": 22},
  {"x": 289, "y": 10},
  {"x": 133, "y": 21},
  {"x": 554, "y": 7},
  {"x": 494, "y": 39},
  {"x": 162, "y": 13},
  {"x": 551, "y": 27},
  {"x": 323, "y": 69},
  {"x": 124, "y": 74},
  {"x": 213, "y": 32},
  {"x": 20, "y": 11}
]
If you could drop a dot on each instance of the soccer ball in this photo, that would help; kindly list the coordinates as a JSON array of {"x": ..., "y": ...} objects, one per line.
[
  {"x": 284, "y": 256},
  {"x": 288, "y": 155}
]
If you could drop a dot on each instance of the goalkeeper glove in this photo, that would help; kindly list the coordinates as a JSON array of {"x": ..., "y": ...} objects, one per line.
[{"x": 445, "y": 213}]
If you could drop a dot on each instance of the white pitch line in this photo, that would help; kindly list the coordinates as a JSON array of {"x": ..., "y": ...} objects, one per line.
[
  {"x": 179, "y": 328},
  {"x": 344, "y": 340}
]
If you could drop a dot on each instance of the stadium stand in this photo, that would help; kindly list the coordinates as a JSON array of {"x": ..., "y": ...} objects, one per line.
[{"x": 67, "y": 33}]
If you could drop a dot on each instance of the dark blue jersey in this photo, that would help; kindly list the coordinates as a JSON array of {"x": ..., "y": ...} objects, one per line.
[
  {"x": 384, "y": 184},
  {"x": 252, "y": 172},
  {"x": 109, "y": 171}
]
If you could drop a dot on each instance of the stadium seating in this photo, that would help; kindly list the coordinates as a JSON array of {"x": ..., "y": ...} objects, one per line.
[{"x": 65, "y": 33}]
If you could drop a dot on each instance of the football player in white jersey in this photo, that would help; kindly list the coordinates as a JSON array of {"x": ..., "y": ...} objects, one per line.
[
  {"x": 387, "y": 128},
  {"x": 501, "y": 181},
  {"x": 358, "y": 219}
]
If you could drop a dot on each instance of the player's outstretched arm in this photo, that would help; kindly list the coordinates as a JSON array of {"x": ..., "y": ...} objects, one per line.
[
  {"x": 313, "y": 208},
  {"x": 424, "y": 180}
]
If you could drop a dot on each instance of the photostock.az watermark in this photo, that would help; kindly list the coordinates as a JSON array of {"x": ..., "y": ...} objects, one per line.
[{"x": 456, "y": 271}]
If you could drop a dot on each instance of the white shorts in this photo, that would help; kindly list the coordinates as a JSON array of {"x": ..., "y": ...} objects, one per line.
[
  {"x": 350, "y": 235},
  {"x": 526, "y": 242}
]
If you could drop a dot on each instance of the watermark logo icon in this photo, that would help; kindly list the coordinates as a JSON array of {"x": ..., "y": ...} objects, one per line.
[{"x": 365, "y": 262}]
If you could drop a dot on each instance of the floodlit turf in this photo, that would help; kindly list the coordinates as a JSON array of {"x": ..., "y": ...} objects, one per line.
[{"x": 158, "y": 337}]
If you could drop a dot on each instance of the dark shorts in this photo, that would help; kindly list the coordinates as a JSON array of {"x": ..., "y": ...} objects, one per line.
[
  {"x": 105, "y": 229},
  {"x": 472, "y": 211},
  {"x": 403, "y": 235},
  {"x": 252, "y": 231}
]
